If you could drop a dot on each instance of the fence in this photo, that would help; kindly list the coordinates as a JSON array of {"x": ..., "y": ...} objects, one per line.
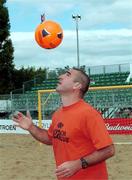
[{"x": 108, "y": 69}]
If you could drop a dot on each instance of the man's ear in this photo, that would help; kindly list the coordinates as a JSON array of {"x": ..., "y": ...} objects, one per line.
[{"x": 77, "y": 85}]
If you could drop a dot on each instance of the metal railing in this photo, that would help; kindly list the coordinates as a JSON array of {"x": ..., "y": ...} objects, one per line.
[{"x": 114, "y": 68}]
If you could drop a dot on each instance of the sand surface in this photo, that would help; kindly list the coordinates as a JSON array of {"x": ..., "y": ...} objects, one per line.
[{"x": 23, "y": 158}]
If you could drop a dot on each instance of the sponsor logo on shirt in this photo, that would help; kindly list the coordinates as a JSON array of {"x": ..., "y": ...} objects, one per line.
[{"x": 60, "y": 134}]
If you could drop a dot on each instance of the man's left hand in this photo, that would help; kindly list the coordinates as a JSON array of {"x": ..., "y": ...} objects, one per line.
[{"x": 68, "y": 168}]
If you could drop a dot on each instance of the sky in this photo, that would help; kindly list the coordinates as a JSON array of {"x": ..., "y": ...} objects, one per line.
[{"x": 104, "y": 32}]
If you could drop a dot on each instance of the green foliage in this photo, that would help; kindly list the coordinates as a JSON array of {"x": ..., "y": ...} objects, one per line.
[
  {"x": 27, "y": 75},
  {"x": 6, "y": 51}
]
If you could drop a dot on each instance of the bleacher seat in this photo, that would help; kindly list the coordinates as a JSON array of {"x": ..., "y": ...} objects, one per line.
[{"x": 109, "y": 79}]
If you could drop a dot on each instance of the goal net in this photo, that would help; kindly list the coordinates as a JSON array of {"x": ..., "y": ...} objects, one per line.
[{"x": 48, "y": 103}]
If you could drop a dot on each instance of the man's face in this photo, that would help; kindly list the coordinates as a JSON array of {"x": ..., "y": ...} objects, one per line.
[{"x": 67, "y": 82}]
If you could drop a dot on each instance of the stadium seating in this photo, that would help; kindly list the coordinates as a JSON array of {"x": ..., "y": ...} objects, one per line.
[
  {"x": 108, "y": 101},
  {"x": 109, "y": 79},
  {"x": 47, "y": 84}
]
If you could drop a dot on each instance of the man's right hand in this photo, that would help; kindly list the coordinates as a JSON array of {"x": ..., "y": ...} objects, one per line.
[{"x": 25, "y": 122}]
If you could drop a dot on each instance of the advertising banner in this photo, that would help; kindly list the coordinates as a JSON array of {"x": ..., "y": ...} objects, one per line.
[
  {"x": 119, "y": 126},
  {"x": 114, "y": 126}
]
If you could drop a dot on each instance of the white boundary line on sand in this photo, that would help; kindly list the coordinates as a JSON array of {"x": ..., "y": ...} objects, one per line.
[{"x": 121, "y": 143}]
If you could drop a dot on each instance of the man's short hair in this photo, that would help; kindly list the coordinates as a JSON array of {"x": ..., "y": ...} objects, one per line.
[{"x": 84, "y": 79}]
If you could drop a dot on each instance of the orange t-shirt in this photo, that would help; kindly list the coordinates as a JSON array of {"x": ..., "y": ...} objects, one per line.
[{"x": 76, "y": 131}]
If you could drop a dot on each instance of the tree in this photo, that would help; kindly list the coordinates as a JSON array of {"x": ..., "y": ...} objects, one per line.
[
  {"x": 28, "y": 77},
  {"x": 6, "y": 51}
]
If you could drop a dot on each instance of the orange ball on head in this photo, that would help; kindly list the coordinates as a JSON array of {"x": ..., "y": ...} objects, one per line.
[{"x": 49, "y": 34}]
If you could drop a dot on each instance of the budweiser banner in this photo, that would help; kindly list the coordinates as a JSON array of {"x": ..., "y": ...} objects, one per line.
[
  {"x": 119, "y": 126},
  {"x": 114, "y": 126}
]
